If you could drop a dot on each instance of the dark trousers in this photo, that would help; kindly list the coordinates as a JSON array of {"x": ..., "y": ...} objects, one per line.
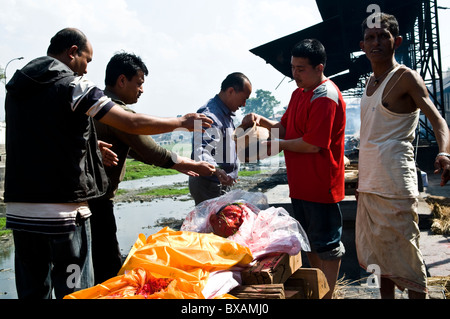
[
  {"x": 106, "y": 254},
  {"x": 204, "y": 189},
  {"x": 61, "y": 262}
]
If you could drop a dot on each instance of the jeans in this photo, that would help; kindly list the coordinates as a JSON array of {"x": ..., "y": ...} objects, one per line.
[
  {"x": 44, "y": 262},
  {"x": 106, "y": 256}
]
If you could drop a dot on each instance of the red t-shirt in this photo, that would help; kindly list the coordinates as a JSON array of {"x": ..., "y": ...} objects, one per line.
[{"x": 318, "y": 116}]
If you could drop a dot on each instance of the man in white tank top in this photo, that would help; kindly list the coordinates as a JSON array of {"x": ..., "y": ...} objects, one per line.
[{"x": 387, "y": 234}]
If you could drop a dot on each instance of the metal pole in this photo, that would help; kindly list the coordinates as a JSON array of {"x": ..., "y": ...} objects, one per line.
[{"x": 4, "y": 72}]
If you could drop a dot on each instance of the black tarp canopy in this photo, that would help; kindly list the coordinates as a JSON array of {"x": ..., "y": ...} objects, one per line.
[{"x": 340, "y": 32}]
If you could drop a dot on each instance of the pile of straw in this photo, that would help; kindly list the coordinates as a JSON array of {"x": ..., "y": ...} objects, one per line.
[
  {"x": 440, "y": 207},
  {"x": 442, "y": 282},
  {"x": 343, "y": 289}
]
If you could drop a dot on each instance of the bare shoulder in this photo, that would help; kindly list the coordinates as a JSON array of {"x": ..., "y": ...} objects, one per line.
[
  {"x": 414, "y": 86},
  {"x": 410, "y": 79},
  {"x": 405, "y": 92}
]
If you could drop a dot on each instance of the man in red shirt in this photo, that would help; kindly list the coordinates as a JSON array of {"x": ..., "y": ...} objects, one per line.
[{"x": 312, "y": 133}]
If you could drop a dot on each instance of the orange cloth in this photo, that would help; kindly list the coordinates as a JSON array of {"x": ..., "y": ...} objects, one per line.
[
  {"x": 186, "y": 257},
  {"x": 128, "y": 287}
]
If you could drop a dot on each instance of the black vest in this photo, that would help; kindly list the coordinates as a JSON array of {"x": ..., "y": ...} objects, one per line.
[{"x": 52, "y": 154}]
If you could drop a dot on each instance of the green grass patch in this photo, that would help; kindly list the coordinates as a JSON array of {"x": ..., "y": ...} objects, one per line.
[
  {"x": 138, "y": 170},
  {"x": 121, "y": 192},
  {"x": 250, "y": 173},
  {"x": 3, "y": 230},
  {"x": 166, "y": 192}
]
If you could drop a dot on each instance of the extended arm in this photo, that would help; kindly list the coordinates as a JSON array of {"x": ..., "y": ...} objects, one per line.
[
  {"x": 192, "y": 168},
  {"x": 419, "y": 93},
  {"x": 142, "y": 124},
  {"x": 146, "y": 150},
  {"x": 278, "y": 131}
]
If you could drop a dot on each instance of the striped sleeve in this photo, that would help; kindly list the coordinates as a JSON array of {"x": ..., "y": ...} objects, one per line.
[{"x": 89, "y": 99}]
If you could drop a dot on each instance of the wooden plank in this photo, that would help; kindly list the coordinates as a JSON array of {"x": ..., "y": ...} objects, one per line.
[
  {"x": 271, "y": 291},
  {"x": 274, "y": 269},
  {"x": 311, "y": 280},
  {"x": 295, "y": 293}
]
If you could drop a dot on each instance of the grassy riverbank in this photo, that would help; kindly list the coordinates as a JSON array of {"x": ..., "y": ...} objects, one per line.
[
  {"x": 3, "y": 230},
  {"x": 138, "y": 170},
  {"x": 163, "y": 192}
]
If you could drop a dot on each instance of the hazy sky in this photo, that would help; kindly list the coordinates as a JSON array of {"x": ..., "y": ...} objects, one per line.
[{"x": 188, "y": 46}]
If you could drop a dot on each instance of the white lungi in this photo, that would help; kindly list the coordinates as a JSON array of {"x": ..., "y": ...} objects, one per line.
[{"x": 387, "y": 234}]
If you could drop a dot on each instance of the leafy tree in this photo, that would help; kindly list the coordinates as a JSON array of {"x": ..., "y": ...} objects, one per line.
[
  {"x": 2, "y": 74},
  {"x": 264, "y": 104}
]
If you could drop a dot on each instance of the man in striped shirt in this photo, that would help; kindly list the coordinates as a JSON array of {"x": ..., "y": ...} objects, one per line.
[{"x": 54, "y": 164}]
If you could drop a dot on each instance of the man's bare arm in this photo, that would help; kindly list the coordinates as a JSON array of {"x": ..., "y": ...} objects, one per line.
[
  {"x": 419, "y": 93},
  {"x": 142, "y": 124}
]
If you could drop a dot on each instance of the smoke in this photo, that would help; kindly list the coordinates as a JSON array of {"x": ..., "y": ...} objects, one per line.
[{"x": 352, "y": 130}]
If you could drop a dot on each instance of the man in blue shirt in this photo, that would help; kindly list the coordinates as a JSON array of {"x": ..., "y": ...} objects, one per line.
[{"x": 216, "y": 144}]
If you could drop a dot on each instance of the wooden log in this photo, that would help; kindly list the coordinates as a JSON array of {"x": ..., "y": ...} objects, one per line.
[
  {"x": 309, "y": 283},
  {"x": 271, "y": 291},
  {"x": 274, "y": 269},
  {"x": 351, "y": 181},
  {"x": 295, "y": 292}
]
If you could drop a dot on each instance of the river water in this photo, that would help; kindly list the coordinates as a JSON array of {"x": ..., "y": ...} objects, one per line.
[{"x": 132, "y": 219}]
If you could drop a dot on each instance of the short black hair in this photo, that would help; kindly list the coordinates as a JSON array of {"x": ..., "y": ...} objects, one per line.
[
  {"x": 65, "y": 39},
  {"x": 235, "y": 80},
  {"x": 124, "y": 63},
  {"x": 311, "y": 49},
  {"x": 388, "y": 19}
]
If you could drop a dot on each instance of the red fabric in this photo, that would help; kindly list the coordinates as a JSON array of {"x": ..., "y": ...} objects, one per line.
[{"x": 318, "y": 177}]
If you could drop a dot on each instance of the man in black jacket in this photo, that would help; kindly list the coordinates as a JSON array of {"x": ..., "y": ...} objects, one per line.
[{"x": 50, "y": 109}]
